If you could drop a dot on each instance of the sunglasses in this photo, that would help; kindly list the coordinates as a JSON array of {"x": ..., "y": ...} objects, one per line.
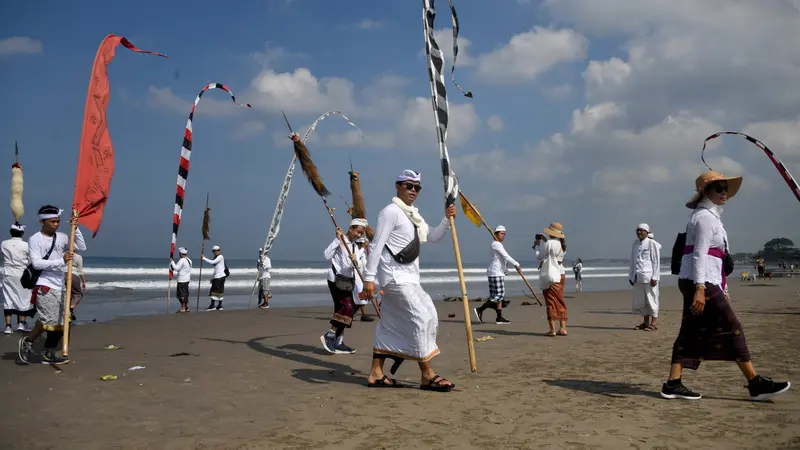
[
  {"x": 719, "y": 187},
  {"x": 412, "y": 186}
]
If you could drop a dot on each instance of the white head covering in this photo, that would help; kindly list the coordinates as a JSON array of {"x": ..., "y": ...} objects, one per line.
[
  {"x": 183, "y": 251},
  {"x": 359, "y": 222},
  {"x": 50, "y": 215},
  {"x": 650, "y": 235},
  {"x": 18, "y": 227},
  {"x": 643, "y": 226},
  {"x": 409, "y": 175},
  {"x": 216, "y": 247},
  {"x": 499, "y": 229}
]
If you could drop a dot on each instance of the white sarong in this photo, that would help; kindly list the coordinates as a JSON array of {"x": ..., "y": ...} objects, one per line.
[
  {"x": 645, "y": 299},
  {"x": 15, "y": 297},
  {"x": 408, "y": 324}
]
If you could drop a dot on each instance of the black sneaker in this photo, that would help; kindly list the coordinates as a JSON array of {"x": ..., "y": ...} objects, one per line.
[
  {"x": 219, "y": 306},
  {"x": 502, "y": 321},
  {"x": 367, "y": 318},
  {"x": 211, "y": 307},
  {"x": 50, "y": 357},
  {"x": 762, "y": 388},
  {"x": 343, "y": 349},
  {"x": 72, "y": 316},
  {"x": 478, "y": 314},
  {"x": 24, "y": 350},
  {"x": 679, "y": 391},
  {"x": 328, "y": 340}
]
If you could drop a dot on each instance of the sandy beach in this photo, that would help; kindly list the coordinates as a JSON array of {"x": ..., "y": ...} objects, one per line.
[{"x": 259, "y": 379}]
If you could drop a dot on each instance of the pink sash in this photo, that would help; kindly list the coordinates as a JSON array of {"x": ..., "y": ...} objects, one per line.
[{"x": 716, "y": 253}]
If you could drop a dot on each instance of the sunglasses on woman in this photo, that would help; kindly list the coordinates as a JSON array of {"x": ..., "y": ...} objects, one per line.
[{"x": 720, "y": 187}]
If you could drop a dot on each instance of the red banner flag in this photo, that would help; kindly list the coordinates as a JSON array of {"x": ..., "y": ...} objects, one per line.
[{"x": 96, "y": 157}]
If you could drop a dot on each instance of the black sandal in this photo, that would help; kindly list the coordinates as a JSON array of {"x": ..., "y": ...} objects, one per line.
[
  {"x": 385, "y": 382},
  {"x": 435, "y": 384}
]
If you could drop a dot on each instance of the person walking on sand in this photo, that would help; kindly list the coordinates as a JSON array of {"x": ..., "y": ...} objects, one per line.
[
  {"x": 49, "y": 253},
  {"x": 217, "y": 292},
  {"x": 644, "y": 272},
  {"x": 358, "y": 294},
  {"x": 16, "y": 299},
  {"x": 341, "y": 282},
  {"x": 78, "y": 284},
  {"x": 264, "y": 278},
  {"x": 710, "y": 331},
  {"x": 498, "y": 268},
  {"x": 183, "y": 270},
  {"x": 409, "y": 322},
  {"x": 577, "y": 269},
  {"x": 551, "y": 278}
]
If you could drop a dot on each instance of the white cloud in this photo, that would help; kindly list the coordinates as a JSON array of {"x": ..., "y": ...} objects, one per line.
[
  {"x": 530, "y": 53},
  {"x": 272, "y": 55},
  {"x": 165, "y": 98},
  {"x": 781, "y": 136},
  {"x": 495, "y": 123},
  {"x": 369, "y": 24},
  {"x": 594, "y": 115},
  {"x": 20, "y": 45},
  {"x": 300, "y": 92},
  {"x": 444, "y": 37},
  {"x": 559, "y": 92},
  {"x": 417, "y": 123}
]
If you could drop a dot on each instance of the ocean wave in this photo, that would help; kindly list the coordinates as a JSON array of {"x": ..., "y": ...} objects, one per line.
[{"x": 312, "y": 282}]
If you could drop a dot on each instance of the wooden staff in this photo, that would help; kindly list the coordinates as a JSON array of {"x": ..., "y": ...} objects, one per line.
[
  {"x": 464, "y": 298},
  {"x": 483, "y": 222},
  {"x": 206, "y": 224},
  {"x": 310, "y": 170},
  {"x": 68, "y": 297}
]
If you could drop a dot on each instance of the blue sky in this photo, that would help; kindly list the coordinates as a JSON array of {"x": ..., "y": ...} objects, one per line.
[{"x": 579, "y": 116}]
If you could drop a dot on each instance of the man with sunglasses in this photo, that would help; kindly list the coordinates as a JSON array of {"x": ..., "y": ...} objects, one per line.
[
  {"x": 644, "y": 272},
  {"x": 49, "y": 252},
  {"x": 409, "y": 322}
]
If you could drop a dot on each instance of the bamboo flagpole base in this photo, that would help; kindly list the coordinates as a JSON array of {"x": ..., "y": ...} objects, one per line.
[
  {"x": 464, "y": 299},
  {"x": 68, "y": 296}
]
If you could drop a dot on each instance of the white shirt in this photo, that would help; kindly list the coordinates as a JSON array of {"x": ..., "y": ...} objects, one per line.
[
  {"x": 560, "y": 260},
  {"x": 263, "y": 267},
  {"x": 77, "y": 264},
  {"x": 395, "y": 230},
  {"x": 704, "y": 231},
  {"x": 219, "y": 266},
  {"x": 15, "y": 256},
  {"x": 53, "y": 268},
  {"x": 500, "y": 260},
  {"x": 553, "y": 253},
  {"x": 338, "y": 256},
  {"x": 183, "y": 269},
  {"x": 645, "y": 263}
]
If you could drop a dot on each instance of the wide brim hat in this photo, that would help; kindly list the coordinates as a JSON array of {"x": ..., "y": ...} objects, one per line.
[
  {"x": 708, "y": 177},
  {"x": 555, "y": 229}
]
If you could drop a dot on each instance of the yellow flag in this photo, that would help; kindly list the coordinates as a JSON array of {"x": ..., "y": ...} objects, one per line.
[{"x": 470, "y": 212}]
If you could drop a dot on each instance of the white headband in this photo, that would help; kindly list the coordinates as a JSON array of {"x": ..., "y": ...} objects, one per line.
[
  {"x": 643, "y": 226},
  {"x": 182, "y": 251},
  {"x": 409, "y": 175},
  {"x": 216, "y": 247},
  {"x": 50, "y": 215},
  {"x": 359, "y": 223},
  {"x": 17, "y": 227}
]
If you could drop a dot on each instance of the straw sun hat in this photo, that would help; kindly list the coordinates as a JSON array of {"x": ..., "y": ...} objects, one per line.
[
  {"x": 555, "y": 229},
  {"x": 708, "y": 177}
]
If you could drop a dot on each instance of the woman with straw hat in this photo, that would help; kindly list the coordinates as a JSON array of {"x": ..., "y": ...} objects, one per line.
[
  {"x": 709, "y": 328},
  {"x": 551, "y": 276}
]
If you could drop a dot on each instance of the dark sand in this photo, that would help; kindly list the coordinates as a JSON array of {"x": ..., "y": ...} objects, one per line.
[{"x": 259, "y": 379}]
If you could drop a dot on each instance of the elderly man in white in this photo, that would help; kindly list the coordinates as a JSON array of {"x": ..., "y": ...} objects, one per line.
[{"x": 644, "y": 274}]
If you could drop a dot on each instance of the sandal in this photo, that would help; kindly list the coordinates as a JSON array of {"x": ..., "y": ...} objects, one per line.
[
  {"x": 550, "y": 334},
  {"x": 385, "y": 382},
  {"x": 435, "y": 384},
  {"x": 641, "y": 326},
  {"x": 650, "y": 328},
  {"x": 561, "y": 333}
]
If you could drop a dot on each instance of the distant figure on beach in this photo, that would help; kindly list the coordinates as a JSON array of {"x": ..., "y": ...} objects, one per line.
[
  {"x": 578, "y": 270},
  {"x": 710, "y": 331},
  {"x": 78, "y": 286},
  {"x": 264, "y": 278},
  {"x": 551, "y": 276},
  {"x": 409, "y": 322},
  {"x": 644, "y": 272},
  {"x": 498, "y": 267},
  {"x": 183, "y": 270},
  {"x": 16, "y": 299},
  {"x": 761, "y": 265},
  {"x": 341, "y": 282},
  {"x": 217, "y": 292},
  {"x": 49, "y": 253},
  {"x": 358, "y": 295}
]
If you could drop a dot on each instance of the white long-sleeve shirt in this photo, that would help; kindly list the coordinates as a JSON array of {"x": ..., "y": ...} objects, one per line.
[
  {"x": 15, "y": 256},
  {"x": 219, "y": 266},
  {"x": 395, "y": 230},
  {"x": 183, "y": 269},
  {"x": 53, "y": 268},
  {"x": 362, "y": 262},
  {"x": 500, "y": 260},
  {"x": 264, "y": 264},
  {"x": 704, "y": 231},
  {"x": 645, "y": 262},
  {"x": 338, "y": 256},
  {"x": 553, "y": 253}
]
